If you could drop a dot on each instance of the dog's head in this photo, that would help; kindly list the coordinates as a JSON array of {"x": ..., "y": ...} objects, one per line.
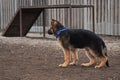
[{"x": 55, "y": 26}]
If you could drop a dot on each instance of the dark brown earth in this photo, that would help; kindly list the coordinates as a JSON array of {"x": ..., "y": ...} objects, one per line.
[{"x": 38, "y": 59}]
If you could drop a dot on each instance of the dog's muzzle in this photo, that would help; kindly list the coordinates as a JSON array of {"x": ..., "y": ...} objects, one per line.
[{"x": 50, "y": 32}]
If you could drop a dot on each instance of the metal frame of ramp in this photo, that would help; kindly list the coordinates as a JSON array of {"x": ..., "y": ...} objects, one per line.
[{"x": 26, "y": 16}]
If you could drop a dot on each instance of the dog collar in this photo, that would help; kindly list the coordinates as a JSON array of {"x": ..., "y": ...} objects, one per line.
[{"x": 60, "y": 31}]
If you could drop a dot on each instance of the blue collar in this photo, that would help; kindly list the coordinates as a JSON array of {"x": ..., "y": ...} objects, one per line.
[{"x": 60, "y": 31}]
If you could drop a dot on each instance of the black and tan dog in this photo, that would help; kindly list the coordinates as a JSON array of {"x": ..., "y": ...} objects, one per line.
[{"x": 72, "y": 39}]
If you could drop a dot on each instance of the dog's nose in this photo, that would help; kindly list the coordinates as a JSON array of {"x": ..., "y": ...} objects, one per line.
[{"x": 50, "y": 32}]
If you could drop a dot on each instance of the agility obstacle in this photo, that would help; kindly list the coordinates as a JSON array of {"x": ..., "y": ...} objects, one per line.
[{"x": 25, "y": 17}]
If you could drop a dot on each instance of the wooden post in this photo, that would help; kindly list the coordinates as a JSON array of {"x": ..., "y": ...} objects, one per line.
[
  {"x": 21, "y": 32},
  {"x": 44, "y": 23},
  {"x": 70, "y": 16},
  {"x": 93, "y": 19}
]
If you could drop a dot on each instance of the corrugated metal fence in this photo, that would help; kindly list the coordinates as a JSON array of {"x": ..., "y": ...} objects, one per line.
[{"x": 107, "y": 17}]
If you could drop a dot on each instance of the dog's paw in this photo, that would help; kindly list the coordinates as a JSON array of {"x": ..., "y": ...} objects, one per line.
[
  {"x": 85, "y": 64},
  {"x": 97, "y": 67},
  {"x": 72, "y": 64},
  {"x": 63, "y": 65}
]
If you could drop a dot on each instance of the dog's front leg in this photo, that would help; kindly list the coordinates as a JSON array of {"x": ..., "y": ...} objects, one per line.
[{"x": 67, "y": 58}]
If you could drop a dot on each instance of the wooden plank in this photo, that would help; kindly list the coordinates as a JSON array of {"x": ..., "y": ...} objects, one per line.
[
  {"x": 88, "y": 16},
  {"x": 111, "y": 19},
  {"x": 82, "y": 16},
  {"x": 1, "y": 15},
  {"x": 106, "y": 15},
  {"x": 58, "y": 10},
  {"x": 78, "y": 15},
  {"x": 49, "y": 13},
  {"x": 74, "y": 16},
  {"x": 66, "y": 13},
  {"x": 85, "y": 15},
  {"x": 91, "y": 22},
  {"x": 95, "y": 15},
  {"x": 98, "y": 11},
  {"x": 62, "y": 13},
  {"x": 53, "y": 10},
  {"x": 90, "y": 9},
  {"x": 119, "y": 16},
  {"x": 102, "y": 17},
  {"x": 116, "y": 17},
  {"x": 91, "y": 3}
]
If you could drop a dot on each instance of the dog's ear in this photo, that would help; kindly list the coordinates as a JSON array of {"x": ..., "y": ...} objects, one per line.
[
  {"x": 53, "y": 19},
  {"x": 54, "y": 22}
]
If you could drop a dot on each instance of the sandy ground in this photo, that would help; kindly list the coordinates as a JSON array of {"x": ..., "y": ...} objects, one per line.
[{"x": 35, "y": 58}]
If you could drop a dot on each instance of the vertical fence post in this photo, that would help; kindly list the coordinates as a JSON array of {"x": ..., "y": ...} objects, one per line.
[
  {"x": 44, "y": 23},
  {"x": 15, "y": 5},
  {"x": 1, "y": 16},
  {"x": 21, "y": 32},
  {"x": 93, "y": 19},
  {"x": 70, "y": 16},
  {"x": 31, "y": 3}
]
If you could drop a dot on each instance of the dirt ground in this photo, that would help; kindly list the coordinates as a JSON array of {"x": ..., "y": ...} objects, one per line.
[{"x": 35, "y": 58}]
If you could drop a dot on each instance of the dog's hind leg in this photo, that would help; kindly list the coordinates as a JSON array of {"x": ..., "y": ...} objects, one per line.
[
  {"x": 66, "y": 57},
  {"x": 91, "y": 56},
  {"x": 74, "y": 56}
]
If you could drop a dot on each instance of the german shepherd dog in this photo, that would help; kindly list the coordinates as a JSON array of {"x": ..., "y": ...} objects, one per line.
[{"x": 72, "y": 39}]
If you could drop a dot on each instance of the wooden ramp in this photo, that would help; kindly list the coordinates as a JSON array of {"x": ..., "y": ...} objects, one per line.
[{"x": 22, "y": 22}]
